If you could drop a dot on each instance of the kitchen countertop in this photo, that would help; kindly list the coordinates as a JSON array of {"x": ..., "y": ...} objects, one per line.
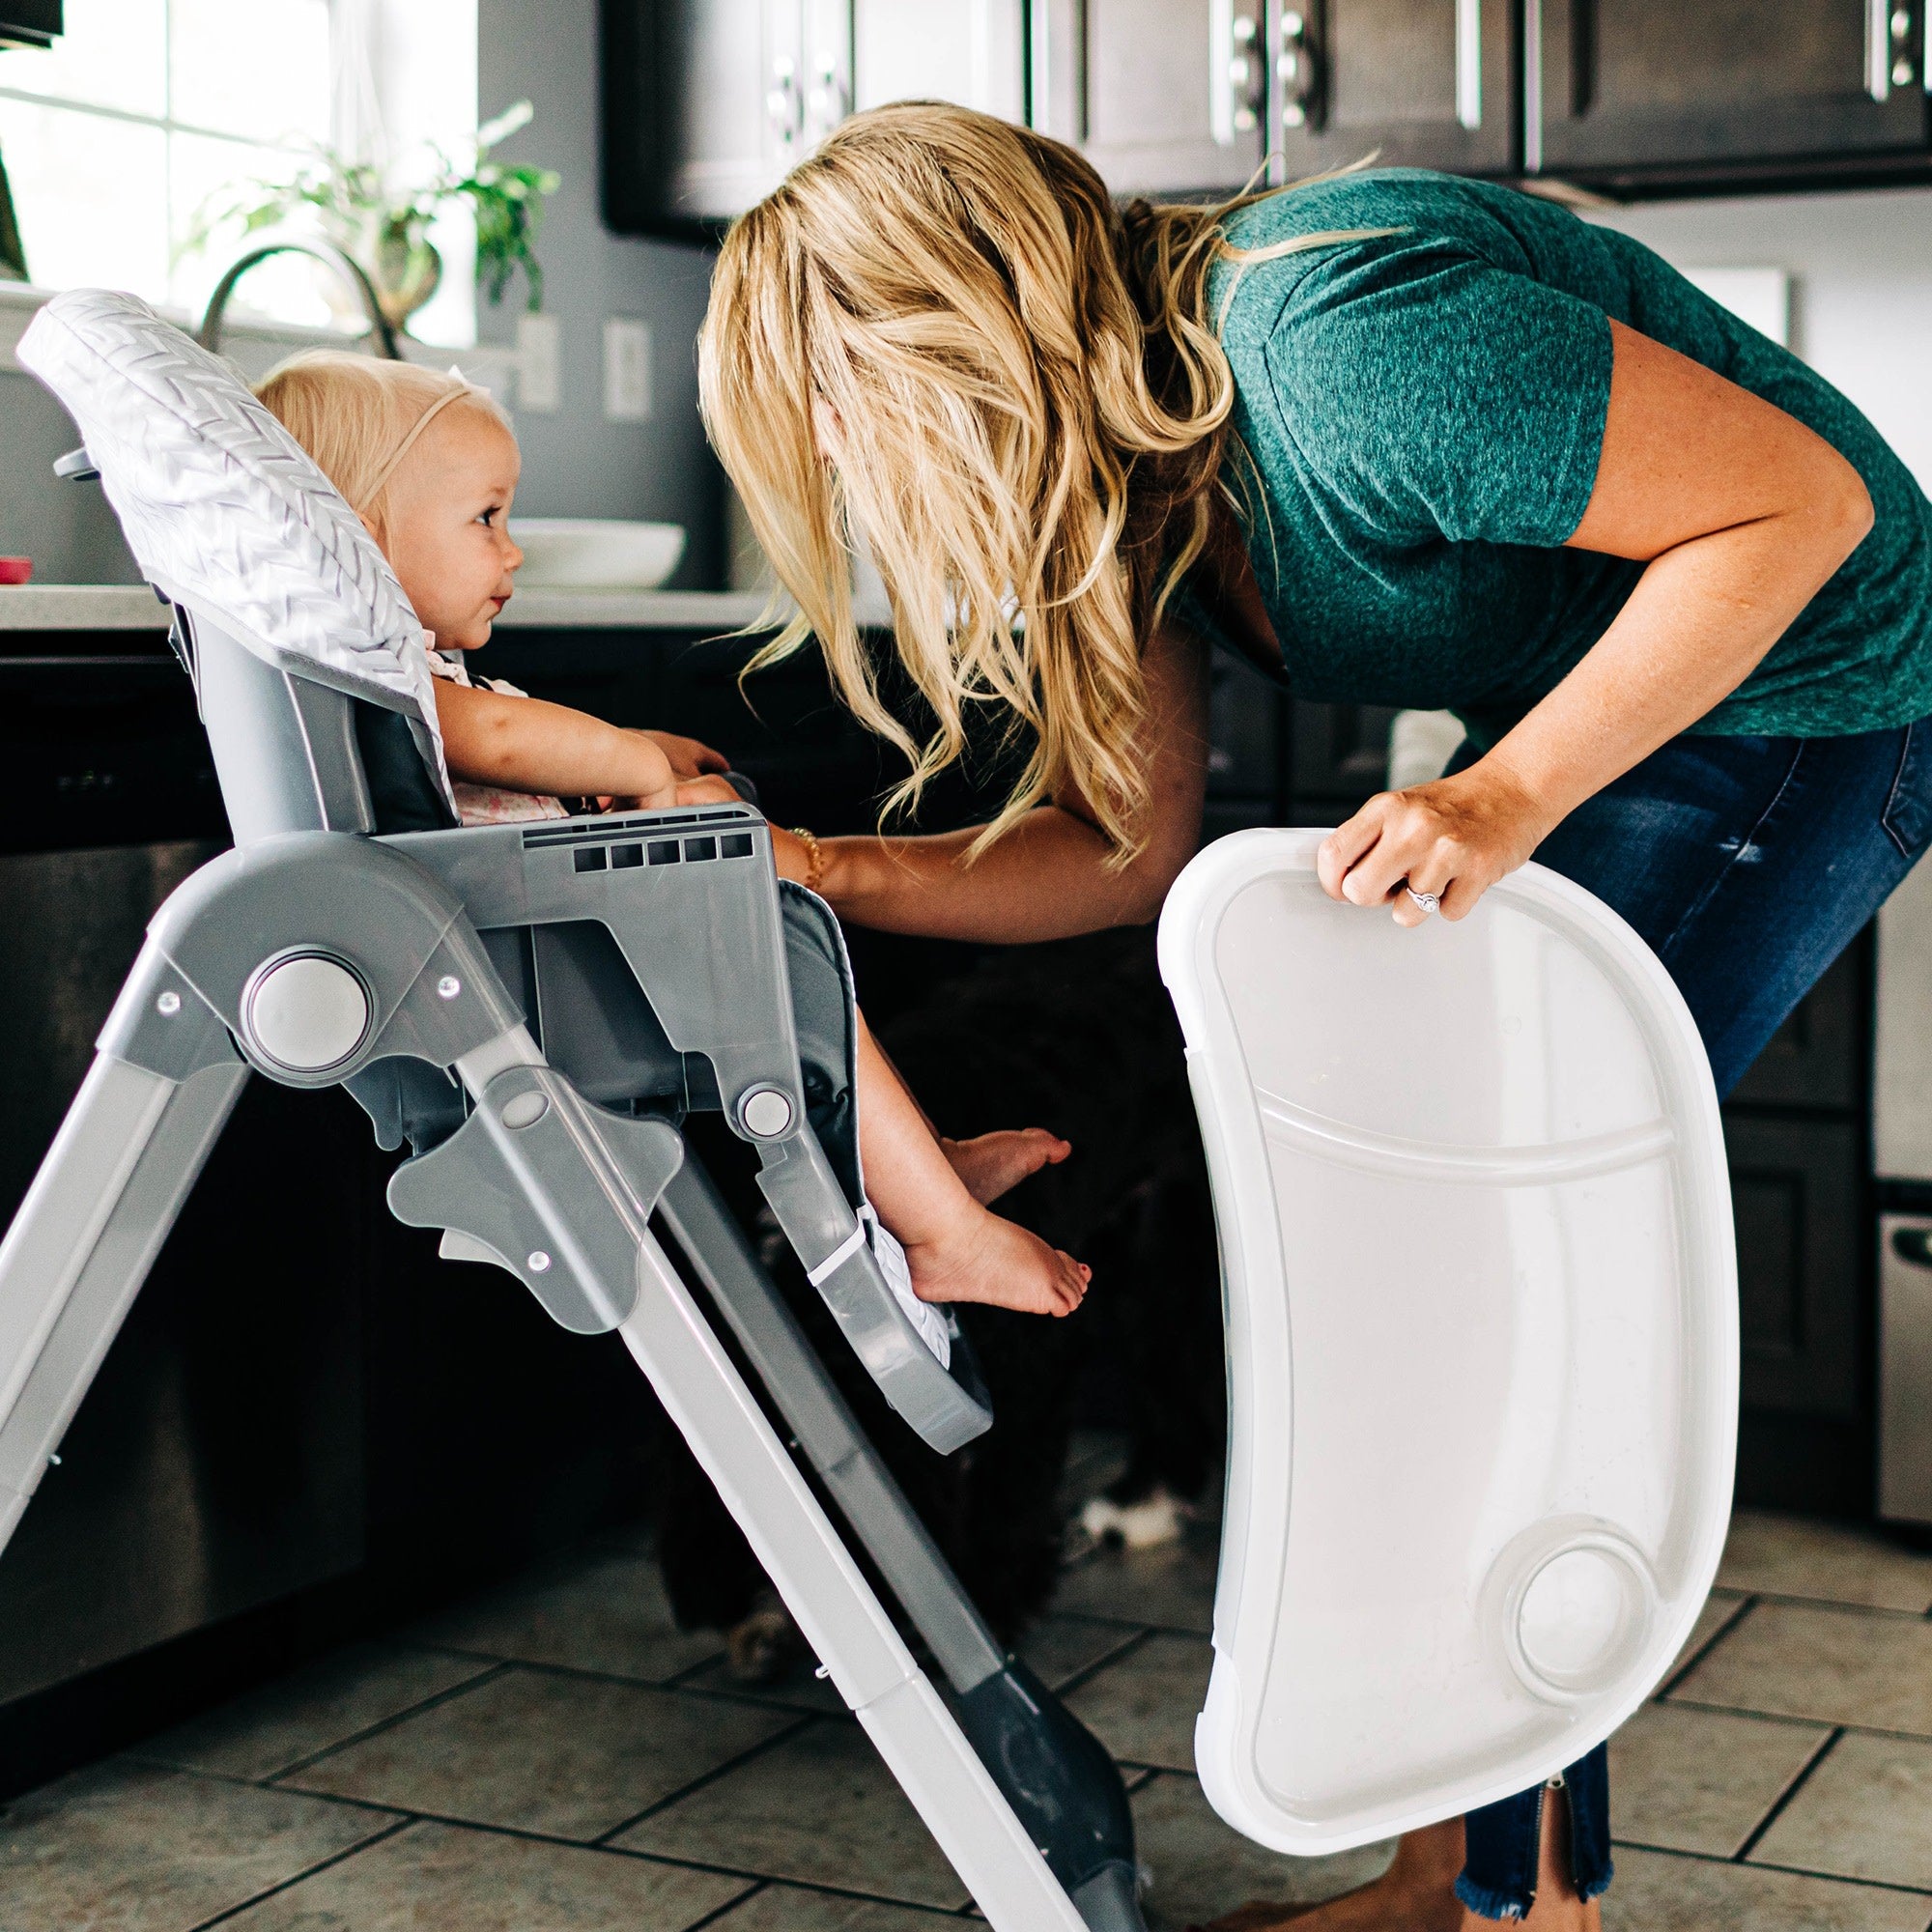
[{"x": 133, "y": 606}]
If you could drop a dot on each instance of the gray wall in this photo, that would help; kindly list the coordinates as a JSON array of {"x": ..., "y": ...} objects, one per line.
[
  {"x": 1861, "y": 269},
  {"x": 67, "y": 528},
  {"x": 574, "y": 462}
]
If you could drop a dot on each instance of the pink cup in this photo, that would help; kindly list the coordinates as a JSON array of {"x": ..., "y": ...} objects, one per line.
[{"x": 16, "y": 569}]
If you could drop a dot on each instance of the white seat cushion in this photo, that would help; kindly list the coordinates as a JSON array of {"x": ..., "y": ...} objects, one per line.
[{"x": 223, "y": 509}]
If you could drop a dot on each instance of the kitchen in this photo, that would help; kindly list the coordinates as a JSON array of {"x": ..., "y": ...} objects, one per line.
[{"x": 259, "y": 1477}]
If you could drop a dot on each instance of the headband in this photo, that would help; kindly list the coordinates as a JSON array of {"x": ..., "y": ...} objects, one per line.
[{"x": 381, "y": 477}]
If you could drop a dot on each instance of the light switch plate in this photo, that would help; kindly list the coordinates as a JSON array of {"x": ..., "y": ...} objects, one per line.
[
  {"x": 627, "y": 369},
  {"x": 539, "y": 364}
]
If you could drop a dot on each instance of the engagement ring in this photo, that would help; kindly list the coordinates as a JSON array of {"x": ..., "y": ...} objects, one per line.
[{"x": 1428, "y": 902}]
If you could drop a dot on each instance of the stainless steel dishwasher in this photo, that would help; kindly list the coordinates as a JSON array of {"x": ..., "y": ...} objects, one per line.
[{"x": 1902, "y": 1150}]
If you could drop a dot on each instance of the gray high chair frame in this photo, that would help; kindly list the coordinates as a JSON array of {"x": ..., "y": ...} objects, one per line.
[{"x": 536, "y": 1007}]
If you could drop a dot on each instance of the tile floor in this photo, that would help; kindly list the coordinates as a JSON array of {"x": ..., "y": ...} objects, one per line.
[{"x": 557, "y": 1757}]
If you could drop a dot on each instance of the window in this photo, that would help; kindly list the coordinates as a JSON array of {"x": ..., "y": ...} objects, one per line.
[{"x": 116, "y": 137}]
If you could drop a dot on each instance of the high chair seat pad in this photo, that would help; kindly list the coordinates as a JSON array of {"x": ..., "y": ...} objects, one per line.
[
  {"x": 1482, "y": 1337},
  {"x": 223, "y": 509}
]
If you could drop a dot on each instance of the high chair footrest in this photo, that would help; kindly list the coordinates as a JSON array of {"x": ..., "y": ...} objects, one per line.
[{"x": 526, "y": 1176}]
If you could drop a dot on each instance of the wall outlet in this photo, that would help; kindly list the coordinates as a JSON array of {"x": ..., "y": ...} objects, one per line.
[
  {"x": 539, "y": 364},
  {"x": 627, "y": 370}
]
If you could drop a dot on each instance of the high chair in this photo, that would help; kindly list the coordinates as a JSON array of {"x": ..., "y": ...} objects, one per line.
[{"x": 1479, "y": 1284}]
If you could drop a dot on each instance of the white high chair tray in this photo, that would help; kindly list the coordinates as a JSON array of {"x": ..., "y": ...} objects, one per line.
[{"x": 1481, "y": 1301}]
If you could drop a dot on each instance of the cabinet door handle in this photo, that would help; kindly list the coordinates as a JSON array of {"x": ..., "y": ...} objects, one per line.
[
  {"x": 1888, "y": 47},
  {"x": 1914, "y": 1246},
  {"x": 1297, "y": 72},
  {"x": 1469, "y": 63},
  {"x": 784, "y": 106},
  {"x": 828, "y": 103},
  {"x": 1235, "y": 68}
]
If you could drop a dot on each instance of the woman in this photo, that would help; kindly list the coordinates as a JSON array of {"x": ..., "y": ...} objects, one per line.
[{"x": 1401, "y": 439}]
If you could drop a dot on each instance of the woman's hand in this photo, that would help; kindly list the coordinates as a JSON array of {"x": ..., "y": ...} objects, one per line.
[
  {"x": 1455, "y": 836},
  {"x": 690, "y": 757},
  {"x": 707, "y": 791}
]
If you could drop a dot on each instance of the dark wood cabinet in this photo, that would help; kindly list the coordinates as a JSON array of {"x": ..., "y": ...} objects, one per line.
[
  {"x": 1418, "y": 83},
  {"x": 1625, "y": 90},
  {"x": 1161, "y": 96},
  {"x": 1797, "y": 1197},
  {"x": 30, "y": 24}
]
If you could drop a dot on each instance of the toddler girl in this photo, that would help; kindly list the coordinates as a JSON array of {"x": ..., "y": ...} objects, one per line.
[{"x": 430, "y": 465}]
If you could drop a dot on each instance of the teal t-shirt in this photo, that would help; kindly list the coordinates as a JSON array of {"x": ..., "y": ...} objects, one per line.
[{"x": 1423, "y": 411}]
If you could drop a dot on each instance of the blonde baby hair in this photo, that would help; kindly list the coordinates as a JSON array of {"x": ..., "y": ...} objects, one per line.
[
  {"x": 360, "y": 416},
  {"x": 941, "y": 337}
]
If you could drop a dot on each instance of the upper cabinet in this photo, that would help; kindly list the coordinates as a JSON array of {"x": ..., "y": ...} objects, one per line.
[
  {"x": 29, "y": 24},
  {"x": 708, "y": 102},
  {"x": 1631, "y": 90},
  {"x": 1419, "y": 83},
  {"x": 971, "y": 51},
  {"x": 1161, "y": 96}
]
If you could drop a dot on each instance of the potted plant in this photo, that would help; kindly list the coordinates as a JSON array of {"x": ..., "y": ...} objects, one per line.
[{"x": 381, "y": 221}]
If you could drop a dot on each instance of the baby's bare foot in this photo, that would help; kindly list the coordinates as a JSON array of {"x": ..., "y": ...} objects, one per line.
[
  {"x": 986, "y": 1259},
  {"x": 993, "y": 1164}
]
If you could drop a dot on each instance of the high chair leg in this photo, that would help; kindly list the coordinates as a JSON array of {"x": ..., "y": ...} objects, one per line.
[
  {"x": 106, "y": 1195},
  {"x": 1056, "y": 1775},
  {"x": 841, "y": 1619}
]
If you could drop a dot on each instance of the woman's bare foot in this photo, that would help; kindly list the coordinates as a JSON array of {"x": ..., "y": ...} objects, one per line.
[
  {"x": 981, "y": 1258},
  {"x": 994, "y": 1164},
  {"x": 1418, "y": 1893}
]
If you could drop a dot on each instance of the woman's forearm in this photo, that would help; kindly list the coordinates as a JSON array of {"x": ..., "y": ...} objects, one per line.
[
  {"x": 1699, "y": 621},
  {"x": 1046, "y": 879}
]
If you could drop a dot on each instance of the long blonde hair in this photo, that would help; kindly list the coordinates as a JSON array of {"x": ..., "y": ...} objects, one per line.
[
  {"x": 939, "y": 336},
  {"x": 360, "y": 416}
]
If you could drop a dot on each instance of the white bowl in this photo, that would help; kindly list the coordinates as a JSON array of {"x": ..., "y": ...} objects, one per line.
[{"x": 595, "y": 552}]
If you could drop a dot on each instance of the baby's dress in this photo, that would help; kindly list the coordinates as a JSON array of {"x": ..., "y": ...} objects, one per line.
[{"x": 489, "y": 805}]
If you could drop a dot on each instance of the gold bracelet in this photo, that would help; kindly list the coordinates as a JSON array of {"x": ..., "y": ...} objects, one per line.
[{"x": 815, "y": 852}]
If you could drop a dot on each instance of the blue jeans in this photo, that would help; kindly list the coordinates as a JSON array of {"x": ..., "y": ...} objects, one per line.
[{"x": 1748, "y": 864}]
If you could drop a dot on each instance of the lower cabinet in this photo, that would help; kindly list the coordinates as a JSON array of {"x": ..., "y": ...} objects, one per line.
[{"x": 1797, "y": 1196}]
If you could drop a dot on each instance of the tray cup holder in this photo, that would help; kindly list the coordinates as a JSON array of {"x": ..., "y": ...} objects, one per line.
[{"x": 1574, "y": 1603}]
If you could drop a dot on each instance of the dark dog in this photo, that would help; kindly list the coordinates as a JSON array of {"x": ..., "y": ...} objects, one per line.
[{"x": 1077, "y": 1035}]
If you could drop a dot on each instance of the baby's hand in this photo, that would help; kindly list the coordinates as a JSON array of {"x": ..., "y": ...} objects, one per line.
[{"x": 994, "y": 1164}]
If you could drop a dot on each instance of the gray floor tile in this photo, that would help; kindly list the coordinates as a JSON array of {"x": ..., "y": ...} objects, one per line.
[
  {"x": 1865, "y": 1812},
  {"x": 819, "y": 1808},
  {"x": 1203, "y": 1868},
  {"x": 1837, "y": 1666},
  {"x": 568, "y": 1756},
  {"x": 140, "y": 1847},
  {"x": 601, "y": 1610},
  {"x": 307, "y": 1712},
  {"x": 1142, "y": 1706},
  {"x": 1701, "y": 1781},
  {"x": 1837, "y": 1562},
  {"x": 801, "y": 1690},
  {"x": 784, "y": 1908},
  {"x": 1719, "y": 1608},
  {"x": 435, "y": 1878},
  {"x": 1172, "y": 1586},
  {"x": 1058, "y": 1647},
  {"x": 1656, "y": 1892}
]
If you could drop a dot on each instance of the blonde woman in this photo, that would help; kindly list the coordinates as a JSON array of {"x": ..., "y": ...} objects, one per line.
[{"x": 1398, "y": 439}]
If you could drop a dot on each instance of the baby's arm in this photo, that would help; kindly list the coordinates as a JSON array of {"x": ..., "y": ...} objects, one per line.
[
  {"x": 957, "y": 1250},
  {"x": 524, "y": 743}
]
